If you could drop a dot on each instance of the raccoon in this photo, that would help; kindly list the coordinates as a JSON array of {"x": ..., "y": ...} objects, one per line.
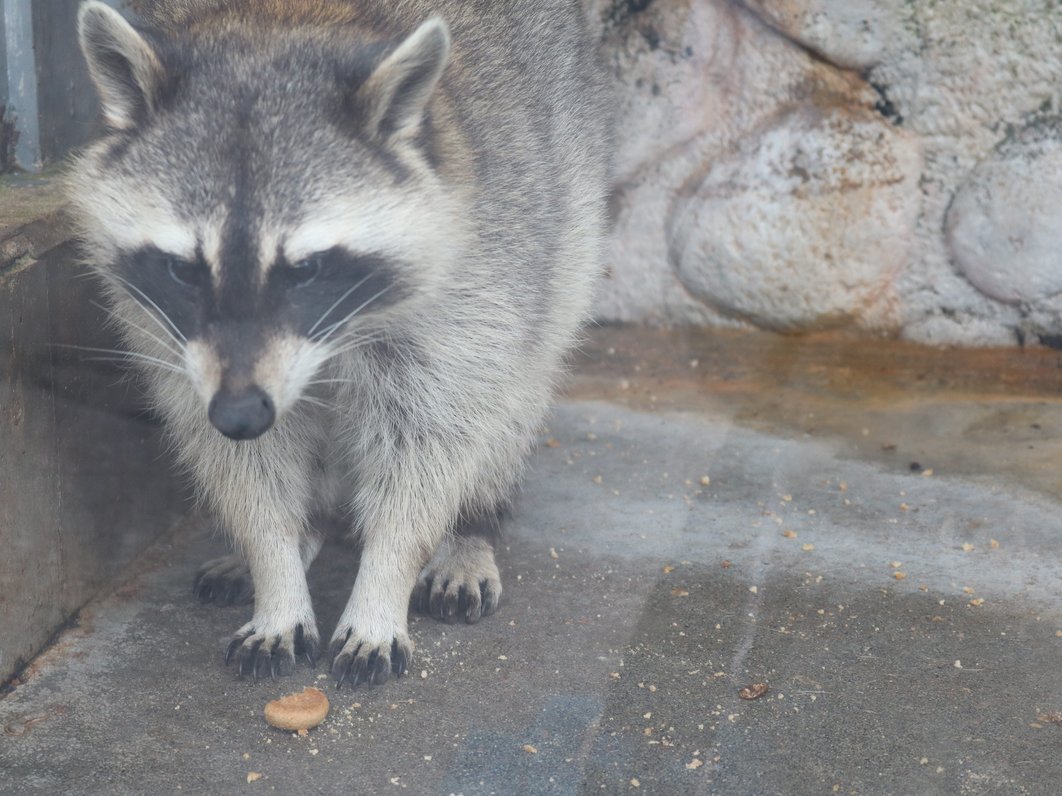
[{"x": 348, "y": 245}]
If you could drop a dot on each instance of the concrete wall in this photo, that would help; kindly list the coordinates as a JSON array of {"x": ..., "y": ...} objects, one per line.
[{"x": 84, "y": 484}]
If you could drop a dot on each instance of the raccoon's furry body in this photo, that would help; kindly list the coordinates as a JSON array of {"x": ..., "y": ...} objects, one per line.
[{"x": 359, "y": 238}]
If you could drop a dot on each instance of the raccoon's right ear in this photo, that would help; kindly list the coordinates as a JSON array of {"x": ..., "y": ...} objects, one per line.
[
  {"x": 394, "y": 96},
  {"x": 124, "y": 67}
]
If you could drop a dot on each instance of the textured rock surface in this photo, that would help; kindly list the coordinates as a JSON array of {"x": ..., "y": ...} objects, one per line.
[
  {"x": 854, "y": 34},
  {"x": 1005, "y": 226},
  {"x": 805, "y": 225},
  {"x": 709, "y": 230}
]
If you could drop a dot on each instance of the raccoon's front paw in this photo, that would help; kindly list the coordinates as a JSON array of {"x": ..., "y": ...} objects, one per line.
[
  {"x": 462, "y": 579},
  {"x": 224, "y": 581},
  {"x": 272, "y": 652},
  {"x": 356, "y": 660}
]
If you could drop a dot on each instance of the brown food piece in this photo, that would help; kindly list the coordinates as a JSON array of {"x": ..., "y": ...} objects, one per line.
[
  {"x": 297, "y": 711},
  {"x": 754, "y": 691}
]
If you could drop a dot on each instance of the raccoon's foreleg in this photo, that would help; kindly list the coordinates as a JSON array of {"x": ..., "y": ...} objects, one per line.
[
  {"x": 261, "y": 492},
  {"x": 283, "y": 626},
  {"x": 226, "y": 580},
  {"x": 462, "y": 577},
  {"x": 405, "y": 508}
]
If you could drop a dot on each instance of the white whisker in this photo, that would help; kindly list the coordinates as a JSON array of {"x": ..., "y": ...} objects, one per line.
[
  {"x": 153, "y": 336},
  {"x": 353, "y": 346},
  {"x": 338, "y": 301},
  {"x": 158, "y": 309},
  {"x": 316, "y": 402},
  {"x": 127, "y": 360},
  {"x": 124, "y": 356},
  {"x": 359, "y": 308}
]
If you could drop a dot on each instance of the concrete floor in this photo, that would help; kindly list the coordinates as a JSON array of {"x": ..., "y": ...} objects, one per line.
[{"x": 639, "y": 600}]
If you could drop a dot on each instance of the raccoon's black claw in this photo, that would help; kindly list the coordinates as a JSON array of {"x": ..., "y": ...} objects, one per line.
[
  {"x": 418, "y": 601},
  {"x": 449, "y": 601},
  {"x": 491, "y": 598},
  {"x": 246, "y": 657},
  {"x": 310, "y": 646},
  {"x": 461, "y": 582},
  {"x": 401, "y": 657},
  {"x": 224, "y": 581},
  {"x": 235, "y": 644},
  {"x": 341, "y": 667},
  {"x": 371, "y": 668},
  {"x": 262, "y": 656},
  {"x": 435, "y": 601},
  {"x": 365, "y": 663}
]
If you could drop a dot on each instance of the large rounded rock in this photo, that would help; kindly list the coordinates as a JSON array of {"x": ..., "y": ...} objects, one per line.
[
  {"x": 1004, "y": 227},
  {"x": 850, "y": 33},
  {"x": 806, "y": 225}
]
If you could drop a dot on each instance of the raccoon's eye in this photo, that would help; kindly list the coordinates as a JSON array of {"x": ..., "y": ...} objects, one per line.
[
  {"x": 305, "y": 271},
  {"x": 189, "y": 274}
]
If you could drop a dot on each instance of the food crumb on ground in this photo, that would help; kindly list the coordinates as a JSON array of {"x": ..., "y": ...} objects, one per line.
[{"x": 754, "y": 691}]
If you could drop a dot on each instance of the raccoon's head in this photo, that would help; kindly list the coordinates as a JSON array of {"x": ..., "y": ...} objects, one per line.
[{"x": 264, "y": 199}]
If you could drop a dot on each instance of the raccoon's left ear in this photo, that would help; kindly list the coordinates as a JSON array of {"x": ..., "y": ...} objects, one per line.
[
  {"x": 123, "y": 65},
  {"x": 394, "y": 96}
]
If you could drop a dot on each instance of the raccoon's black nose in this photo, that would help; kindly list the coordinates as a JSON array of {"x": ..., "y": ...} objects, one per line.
[{"x": 242, "y": 415}]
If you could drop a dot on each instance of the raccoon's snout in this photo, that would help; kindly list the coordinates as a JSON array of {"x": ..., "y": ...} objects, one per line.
[{"x": 242, "y": 415}]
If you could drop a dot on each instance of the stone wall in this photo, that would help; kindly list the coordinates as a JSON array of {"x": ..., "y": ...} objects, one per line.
[{"x": 889, "y": 165}]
